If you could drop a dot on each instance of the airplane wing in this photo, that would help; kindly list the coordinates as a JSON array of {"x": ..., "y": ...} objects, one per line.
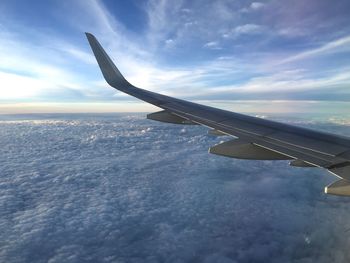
[{"x": 257, "y": 139}]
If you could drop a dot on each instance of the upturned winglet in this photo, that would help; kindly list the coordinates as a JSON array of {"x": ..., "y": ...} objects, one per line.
[{"x": 110, "y": 72}]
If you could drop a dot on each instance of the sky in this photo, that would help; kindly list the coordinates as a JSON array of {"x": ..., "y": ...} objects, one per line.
[{"x": 227, "y": 53}]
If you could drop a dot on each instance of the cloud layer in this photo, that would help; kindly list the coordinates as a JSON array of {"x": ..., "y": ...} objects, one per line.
[{"x": 117, "y": 188}]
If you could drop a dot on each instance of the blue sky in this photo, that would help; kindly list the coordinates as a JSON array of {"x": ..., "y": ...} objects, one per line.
[{"x": 209, "y": 51}]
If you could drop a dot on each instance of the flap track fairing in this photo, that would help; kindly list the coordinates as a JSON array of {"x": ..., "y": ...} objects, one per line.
[
  {"x": 340, "y": 187},
  {"x": 245, "y": 150},
  {"x": 165, "y": 116}
]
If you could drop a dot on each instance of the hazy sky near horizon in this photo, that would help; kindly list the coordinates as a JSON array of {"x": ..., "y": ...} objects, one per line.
[{"x": 198, "y": 50}]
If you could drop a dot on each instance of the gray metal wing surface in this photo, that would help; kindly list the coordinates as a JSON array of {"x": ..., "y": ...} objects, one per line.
[{"x": 257, "y": 138}]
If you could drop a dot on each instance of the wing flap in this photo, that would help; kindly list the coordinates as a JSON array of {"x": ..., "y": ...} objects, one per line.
[
  {"x": 308, "y": 143},
  {"x": 341, "y": 170}
]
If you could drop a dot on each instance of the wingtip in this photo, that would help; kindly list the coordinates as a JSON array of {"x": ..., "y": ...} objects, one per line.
[
  {"x": 110, "y": 72},
  {"x": 89, "y": 34}
]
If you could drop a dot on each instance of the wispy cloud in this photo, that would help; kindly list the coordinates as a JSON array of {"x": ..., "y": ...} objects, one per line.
[
  {"x": 45, "y": 72},
  {"x": 212, "y": 45},
  {"x": 335, "y": 46},
  {"x": 247, "y": 29}
]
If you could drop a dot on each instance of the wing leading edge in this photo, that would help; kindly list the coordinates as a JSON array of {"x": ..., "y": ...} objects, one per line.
[{"x": 258, "y": 138}]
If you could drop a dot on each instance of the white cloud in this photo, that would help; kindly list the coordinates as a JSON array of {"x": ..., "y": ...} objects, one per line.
[
  {"x": 257, "y": 5},
  {"x": 212, "y": 45},
  {"x": 248, "y": 29},
  {"x": 13, "y": 86},
  {"x": 335, "y": 46},
  {"x": 254, "y": 6},
  {"x": 292, "y": 32},
  {"x": 85, "y": 57},
  {"x": 163, "y": 20},
  {"x": 169, "y": 43}
]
